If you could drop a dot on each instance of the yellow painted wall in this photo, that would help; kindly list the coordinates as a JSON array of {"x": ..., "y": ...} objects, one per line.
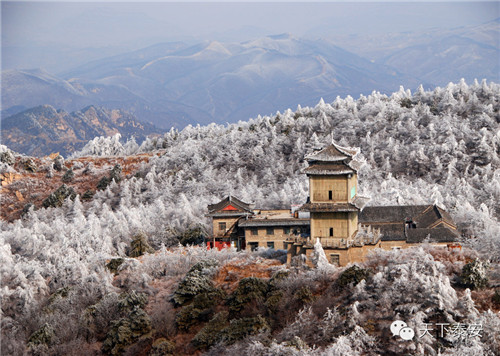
[
  {"x": 262, "y": 238},
  {"x": 215, "y": 224},
  {"x": 322, "y": 222},
  {"x": 353, "y": 223},
  {"x": 341, "y": 186},
  {"x": 319, "y": 186}
]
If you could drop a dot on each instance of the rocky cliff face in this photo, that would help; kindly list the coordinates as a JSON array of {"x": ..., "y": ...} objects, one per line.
[{"x": 43, "y": 130}]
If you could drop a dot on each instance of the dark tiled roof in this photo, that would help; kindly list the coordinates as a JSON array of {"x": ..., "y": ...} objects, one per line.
[
  {"x": 386, "y": 214},
  {"x": 330, "y": 169},
  {"x": 228, "y": 214},
  {"x": 391, "y": 232},
  {"x": 229, "y": 200},
  {"x": 428, "y": 217},
  {"x": 328, "y": 207},
  {"x": 332, "y": 153},
  {"x": 446, "y": 217},
  {"x": 440, "y": 234},
  {"x": 275, "y": 222}
]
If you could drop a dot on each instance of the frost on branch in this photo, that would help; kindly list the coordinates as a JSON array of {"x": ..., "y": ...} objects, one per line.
[{"x": 474, "y": 274}]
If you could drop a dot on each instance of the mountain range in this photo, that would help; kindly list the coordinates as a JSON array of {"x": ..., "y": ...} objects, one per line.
[
  {"x": 43, "y": 129},
  {"x": 176, "y": 83}
]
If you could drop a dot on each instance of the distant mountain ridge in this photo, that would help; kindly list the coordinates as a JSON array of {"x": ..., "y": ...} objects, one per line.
[
  {"x": 175, "y": 84},
  {"x": 43, "y": 130}
]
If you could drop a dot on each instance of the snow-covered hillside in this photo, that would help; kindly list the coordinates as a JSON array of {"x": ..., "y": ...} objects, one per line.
[{"x": 438, "y": 146}]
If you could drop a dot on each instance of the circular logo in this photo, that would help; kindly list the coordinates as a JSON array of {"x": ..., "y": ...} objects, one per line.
[
  {"x": 396, "y": 326},
  {"x": 406, "y": 333}
]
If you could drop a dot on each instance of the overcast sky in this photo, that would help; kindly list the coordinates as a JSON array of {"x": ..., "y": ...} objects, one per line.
[{"x": 121, "y": 26}]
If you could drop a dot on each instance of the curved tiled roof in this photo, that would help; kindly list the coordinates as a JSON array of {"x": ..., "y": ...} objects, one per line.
[
  {"x": 385, "y": 214},
  {"x": 440, "y": 234},
  {"x": 332, "y": 153},
  {"x": 329, "y": 169},
  {"x": 217, "y": 209}
]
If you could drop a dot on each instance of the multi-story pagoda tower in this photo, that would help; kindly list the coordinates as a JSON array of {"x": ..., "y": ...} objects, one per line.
[{"x": 333, "y": 184}]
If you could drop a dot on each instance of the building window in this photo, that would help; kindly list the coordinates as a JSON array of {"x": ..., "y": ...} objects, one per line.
[
  {"x": 335, "y": 259},
  {"x": 286, "y": 230},
  {"x": 285, "y": 245},
  {"x": 254, "y": 231},
  {"x": 270, "y": 244},
  {"x": 270, "y": 231},
  {"x": 330, "y": 195},
  {"x": 411, "y": 224},
  {"x": 331, "y": 232},
  {"x": 222, "y": 226},
  {"x": 254, "y": 246}
]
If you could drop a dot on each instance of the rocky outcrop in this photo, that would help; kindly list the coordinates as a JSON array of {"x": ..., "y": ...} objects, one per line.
[{"x": 43, "y": 130}]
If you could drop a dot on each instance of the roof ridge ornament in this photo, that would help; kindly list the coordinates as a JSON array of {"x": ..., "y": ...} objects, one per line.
[{"x": 333, "y": 153}]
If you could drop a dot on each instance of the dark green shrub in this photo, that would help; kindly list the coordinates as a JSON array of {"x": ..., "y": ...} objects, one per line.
[
  {"x": 139, "y": 246},
  {"x": 195, "y": 282},
  {"x": 162, "y": 347},
  {"x": 496, "y": 298},
  {"x": 305, "y": 295},
  {"x": 279, "y": 276},
  {"x": 406, "y": 103},
  {"x": 43, "y": 336},
  {"x": 114, "y": 264},
  {"x": 116, "y": 174},
  {"x": 273, "y": 300},
  {"x": 88, "y": 195},
  {"x": 126, "y": 331},
  {"x": 354, "y": 275},
  {"x": 238, "y": 329},
  {"x": 57, "y": 198},
  {"x": 474, "y": 274},
  {"x": 210, "y": 334},
  {"x": 192, "y": 236},
  {"x": 131, "y": 300},
  {"x": 201, "y": 309},
  {"x": 249, "y": 289},
  {"x": 187, "y": 317},
  {"x": 103, "y": 183},
  {"x": 58, "y": 163},
  {"x": 68, "y": 176},
  {"x": 30, "y": 165},
  {"x": 26, "y": 209},
  {"x": 7, "y": 157}
]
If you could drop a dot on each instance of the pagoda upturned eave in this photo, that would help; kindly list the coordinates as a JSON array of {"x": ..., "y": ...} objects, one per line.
[
  {"x": 328, "y": 169},
  {"x": 332, "y": 153}
]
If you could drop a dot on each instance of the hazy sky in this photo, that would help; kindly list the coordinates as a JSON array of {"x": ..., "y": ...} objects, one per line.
[{"x": 30, "y": 29}]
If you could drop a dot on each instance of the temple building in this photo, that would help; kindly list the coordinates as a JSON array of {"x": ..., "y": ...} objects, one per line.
[{"x": 334, "y": 214}]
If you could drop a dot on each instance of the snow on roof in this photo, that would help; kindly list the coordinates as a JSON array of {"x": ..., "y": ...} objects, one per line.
[
  {"x": 229, "y": 200},
  {"x": 333, "y": 153},
  {"x": 328, "y": 169}
]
